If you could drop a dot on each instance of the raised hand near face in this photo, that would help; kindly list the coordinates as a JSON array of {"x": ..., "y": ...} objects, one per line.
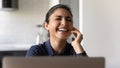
[{"x": 76, "y": 42}]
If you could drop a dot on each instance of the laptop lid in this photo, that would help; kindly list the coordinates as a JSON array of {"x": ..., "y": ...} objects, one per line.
[{"x": 53, "y": 62}]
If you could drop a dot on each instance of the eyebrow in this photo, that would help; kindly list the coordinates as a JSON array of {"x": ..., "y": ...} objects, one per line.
[
  {"x": 61, "y": 16},
  {"x": 58, "y": 16}
]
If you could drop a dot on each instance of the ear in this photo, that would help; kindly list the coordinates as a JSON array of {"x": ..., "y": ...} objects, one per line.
[{"x": 46, "y": 25}]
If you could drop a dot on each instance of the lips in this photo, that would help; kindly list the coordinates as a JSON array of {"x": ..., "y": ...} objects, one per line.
[{"x": 62, "y": 30}]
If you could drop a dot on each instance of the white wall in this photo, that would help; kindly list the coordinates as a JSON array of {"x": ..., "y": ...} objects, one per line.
[
  {"x": 19, "y": 27},
  {"x": 101, "y": 27}
]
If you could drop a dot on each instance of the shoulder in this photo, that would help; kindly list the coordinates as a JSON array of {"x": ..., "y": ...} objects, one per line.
[
  {"x": 37, "y": 47},
  {"x": 36, "y": 50}
]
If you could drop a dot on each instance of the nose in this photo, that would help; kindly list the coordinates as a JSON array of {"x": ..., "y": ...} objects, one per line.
[{"x": 64, "y": 22}]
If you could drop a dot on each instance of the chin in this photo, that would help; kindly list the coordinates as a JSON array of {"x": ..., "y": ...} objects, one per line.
[{"x": 63, "y": 37}]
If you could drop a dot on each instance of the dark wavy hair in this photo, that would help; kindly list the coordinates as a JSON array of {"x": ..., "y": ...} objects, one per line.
[{"x": 51, "y": 11}]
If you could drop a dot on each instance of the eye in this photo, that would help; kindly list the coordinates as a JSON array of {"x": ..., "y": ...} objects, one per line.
[{"x": 69, "y": 19}]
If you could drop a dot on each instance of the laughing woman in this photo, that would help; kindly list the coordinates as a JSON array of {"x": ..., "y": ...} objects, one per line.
[{"x": 59, "y": 24}]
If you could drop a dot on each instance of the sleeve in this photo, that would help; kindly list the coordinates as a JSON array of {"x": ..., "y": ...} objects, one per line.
[
  {"x": 33, "y": 51},
  {"x": 84, "y": 54}
]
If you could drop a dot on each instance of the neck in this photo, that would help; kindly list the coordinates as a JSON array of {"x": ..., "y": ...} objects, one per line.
[{"x": 58, "y": 44}]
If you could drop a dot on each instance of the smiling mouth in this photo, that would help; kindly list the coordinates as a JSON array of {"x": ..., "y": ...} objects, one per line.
[{"x": 62, "y": 30}]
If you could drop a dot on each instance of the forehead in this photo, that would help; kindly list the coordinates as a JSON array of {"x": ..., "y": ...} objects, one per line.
[{"x": 62, "y": 12}]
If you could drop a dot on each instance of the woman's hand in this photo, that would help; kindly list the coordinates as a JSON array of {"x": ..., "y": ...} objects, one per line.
[{"x": 76, "y": 42}]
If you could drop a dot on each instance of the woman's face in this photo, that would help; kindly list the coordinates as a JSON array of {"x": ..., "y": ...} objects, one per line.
[{"x": 60, "y": 24}]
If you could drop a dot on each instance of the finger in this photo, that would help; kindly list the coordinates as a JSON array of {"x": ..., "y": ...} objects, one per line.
[
  {"x": 78, "y": 35},
  {"x": 75, "y": 29},
  {"x": 75, "y": 33}
]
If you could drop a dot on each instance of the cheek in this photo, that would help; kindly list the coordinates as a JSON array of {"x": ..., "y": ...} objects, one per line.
[
  {"x": 53, "y": 26},
  {"x": 71, "y": 25},
  {"x": 54, "y": 22}
]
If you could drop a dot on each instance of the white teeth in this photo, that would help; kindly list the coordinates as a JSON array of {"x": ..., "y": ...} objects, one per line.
[{"x": 62, "y": 29}]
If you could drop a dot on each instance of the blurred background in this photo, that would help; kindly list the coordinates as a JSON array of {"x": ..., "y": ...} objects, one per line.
[{"x": 98, "y": 20}]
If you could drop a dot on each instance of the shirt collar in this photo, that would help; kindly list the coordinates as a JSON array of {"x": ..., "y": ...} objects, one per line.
[
  {"x": 49, "y": 48},
  {"x": 51, "y": 51}
]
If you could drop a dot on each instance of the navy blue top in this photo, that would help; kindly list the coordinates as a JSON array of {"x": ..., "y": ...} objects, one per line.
[{"x": 45, "y": 49}]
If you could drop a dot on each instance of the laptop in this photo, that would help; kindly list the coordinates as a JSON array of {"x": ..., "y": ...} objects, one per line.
[{"x": 53, "y": 62}]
